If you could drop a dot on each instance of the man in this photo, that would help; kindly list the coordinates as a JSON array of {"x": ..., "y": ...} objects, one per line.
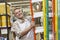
[{"x": 22, "y": 28}]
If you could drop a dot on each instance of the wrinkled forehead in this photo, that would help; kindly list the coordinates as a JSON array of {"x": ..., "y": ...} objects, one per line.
[{"x": 16, "y": 10}]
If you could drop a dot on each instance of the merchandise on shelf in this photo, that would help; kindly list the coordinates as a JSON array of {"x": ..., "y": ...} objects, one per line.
[
  {"x": 3, "y": 9},
  {"x": 4, "y": 21}
]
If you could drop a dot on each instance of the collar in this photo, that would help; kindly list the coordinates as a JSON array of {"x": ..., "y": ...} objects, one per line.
[{"x": 21, "y": 21}]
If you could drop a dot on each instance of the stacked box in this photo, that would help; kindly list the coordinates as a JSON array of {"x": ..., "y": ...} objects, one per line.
[
  {"x": 4, "y": 21},
  {"x": 3, "y": 9},
  {"x": 38, "y": 36}
]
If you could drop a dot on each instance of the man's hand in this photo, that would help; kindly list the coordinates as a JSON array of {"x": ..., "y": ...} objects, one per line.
[{"x": 32, "y": 24}]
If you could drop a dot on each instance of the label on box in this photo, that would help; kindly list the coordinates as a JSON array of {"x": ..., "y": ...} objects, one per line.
[{"x": 3, "y": 31}]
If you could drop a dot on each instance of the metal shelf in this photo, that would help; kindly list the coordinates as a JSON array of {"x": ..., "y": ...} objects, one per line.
[
  {"x": 4, "y": 15},
  {"x": 5, "y": 27}
]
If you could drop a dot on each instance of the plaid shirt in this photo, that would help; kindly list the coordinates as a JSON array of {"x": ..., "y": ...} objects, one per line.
[{"x": 18, "y": 27}]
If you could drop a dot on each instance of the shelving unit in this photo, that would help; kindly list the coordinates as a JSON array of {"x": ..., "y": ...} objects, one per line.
[{"x": 4, "y": 20}]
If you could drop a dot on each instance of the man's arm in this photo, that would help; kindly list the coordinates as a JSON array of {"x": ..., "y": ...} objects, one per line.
[
  {"x": 25, "y": 31},
  {"x": 20, "y": 34}
]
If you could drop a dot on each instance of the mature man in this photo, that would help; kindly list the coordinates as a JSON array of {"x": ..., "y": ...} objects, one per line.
[{"x": 22, "y": 27}]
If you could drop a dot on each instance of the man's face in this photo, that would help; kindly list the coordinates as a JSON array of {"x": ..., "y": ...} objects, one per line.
[{"x": 18, "y": 13}]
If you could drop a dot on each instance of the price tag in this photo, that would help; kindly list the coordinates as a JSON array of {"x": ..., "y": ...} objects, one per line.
[{"x": 3, "y": 31}]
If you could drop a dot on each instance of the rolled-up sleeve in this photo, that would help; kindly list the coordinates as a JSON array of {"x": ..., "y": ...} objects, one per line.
[{"x": 16, "y": 29}]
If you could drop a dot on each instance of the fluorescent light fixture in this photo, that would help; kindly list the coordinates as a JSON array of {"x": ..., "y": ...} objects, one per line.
[{"x": 36, "y": 1}]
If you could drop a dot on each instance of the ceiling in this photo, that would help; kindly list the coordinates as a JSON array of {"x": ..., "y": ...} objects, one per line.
[
  {"x": 19, "y": 3},
  {"x": 16, "y": 0}
]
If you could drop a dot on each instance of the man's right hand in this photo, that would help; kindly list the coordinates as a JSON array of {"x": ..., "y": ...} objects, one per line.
[{"x": 32, "y": 24}]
